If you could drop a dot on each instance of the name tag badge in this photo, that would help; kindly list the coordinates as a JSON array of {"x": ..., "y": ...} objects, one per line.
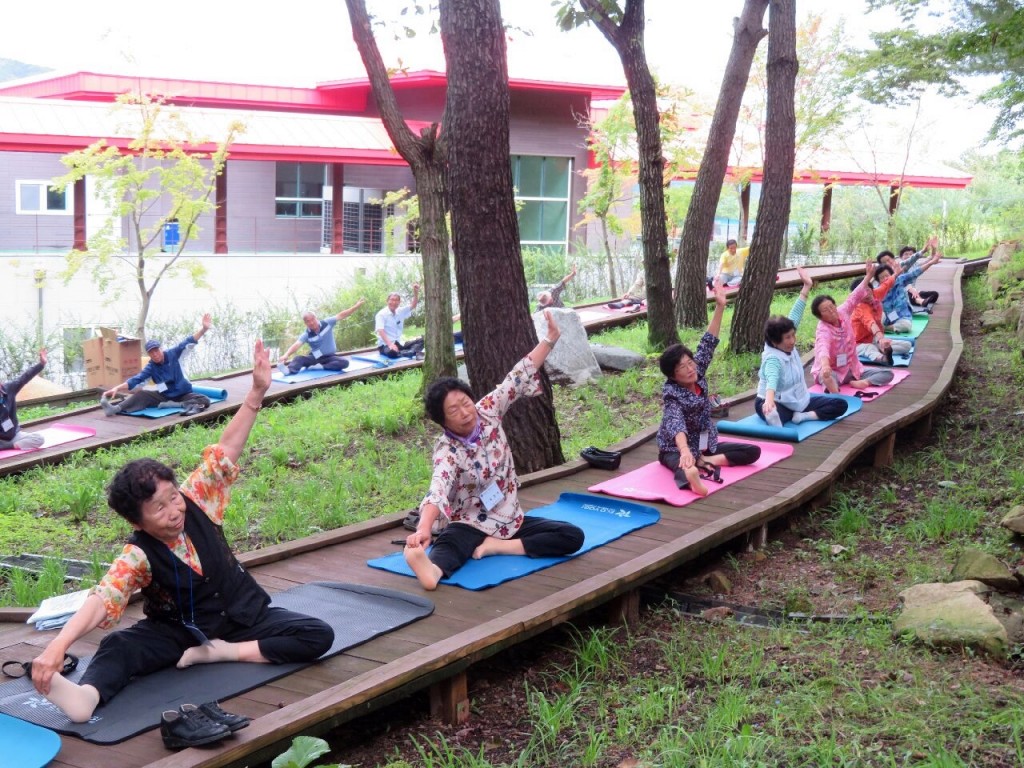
[
  {"x": 840, "y": 360},
  {"x": 491, "y": 496},
  {"x": 893, "y": 316},
  {"x": 703, "y": 443},
  {"x": 6, "y": 425},
  {"x": 161, "y": 387},
  {"x": 317, "y": 354}
]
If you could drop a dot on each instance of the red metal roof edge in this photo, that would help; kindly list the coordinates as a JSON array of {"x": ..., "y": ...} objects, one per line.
[{"x": 349, "y": 95}]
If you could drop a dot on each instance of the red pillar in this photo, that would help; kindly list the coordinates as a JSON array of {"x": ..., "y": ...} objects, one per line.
[
  {"x": 220, "y": 212},
  {"x": 338, "y": 208},
  {"x": 78, "y": 203}
]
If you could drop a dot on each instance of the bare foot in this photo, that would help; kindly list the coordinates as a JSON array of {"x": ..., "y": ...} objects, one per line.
[
  {"x": 217, "y": 650},
  {"x": 494, "y": 546},
  {"x": 860, "y": 383},
  {"x": 427, "y": 573},
  {"x": 696, "y": 484},
  {"x": 78, "y": 702}
]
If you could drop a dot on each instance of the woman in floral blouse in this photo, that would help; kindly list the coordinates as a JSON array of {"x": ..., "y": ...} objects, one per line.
[
  {"x": 474, "y": 486},
  {"x": 688, "y": 439}
]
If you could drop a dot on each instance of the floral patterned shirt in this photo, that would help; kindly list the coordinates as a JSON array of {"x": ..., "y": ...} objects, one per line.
[
  {"x": 463, "y": 470},
  {"x": 688, "y": 411},
  {"x": 209, "y": 486}
]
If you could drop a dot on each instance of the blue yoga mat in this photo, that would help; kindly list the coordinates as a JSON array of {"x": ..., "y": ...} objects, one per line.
[
  {"x": 755, "y": 426},
  {"x": 602, "y": 520},
  {"x": 309, "y": 374},
  {"x": 216, "y": 395},
  {"x": 26, "y": 745},
  {"x": 898, "y": 361}
]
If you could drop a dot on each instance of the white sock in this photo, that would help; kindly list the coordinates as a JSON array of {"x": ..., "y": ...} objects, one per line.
[
  {"x": 773, "y": 419},
  {"x": 802, "y": 416}
]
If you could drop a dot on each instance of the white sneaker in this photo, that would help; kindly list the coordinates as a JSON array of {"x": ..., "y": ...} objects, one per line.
[{"x": 282, "y": 369}]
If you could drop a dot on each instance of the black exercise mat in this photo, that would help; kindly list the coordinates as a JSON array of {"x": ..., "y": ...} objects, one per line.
[{"x": 357, "y": 613}]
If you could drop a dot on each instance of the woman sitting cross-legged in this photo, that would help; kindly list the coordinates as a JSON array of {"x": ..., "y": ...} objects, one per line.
[
  {"x": 866, "y": 321},
  {"x": 474, "y": 484},
  {"x": 835, "y": 344},
  {"x": 781, "y": 389},
  {"x": 688, "y": 439}
]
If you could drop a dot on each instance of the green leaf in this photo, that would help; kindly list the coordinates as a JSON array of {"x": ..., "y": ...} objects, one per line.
[{"x": 303, "y": 751}]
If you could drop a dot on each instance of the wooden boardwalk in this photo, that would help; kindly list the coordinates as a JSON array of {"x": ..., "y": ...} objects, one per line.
[
  {"x": 467, "y": 626},
  {"x": 116, "y": 431}
]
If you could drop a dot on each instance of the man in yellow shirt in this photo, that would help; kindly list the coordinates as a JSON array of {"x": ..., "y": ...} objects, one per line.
[{"x": 730, "y": 268}]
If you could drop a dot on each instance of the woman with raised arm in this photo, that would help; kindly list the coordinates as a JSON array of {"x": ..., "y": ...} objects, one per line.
[
  {"x": 688, "y": 439},
  {"x": 835, "y": 342},
  {"x": 474, "y": 487},
  {"x": 781, "y": 388}
]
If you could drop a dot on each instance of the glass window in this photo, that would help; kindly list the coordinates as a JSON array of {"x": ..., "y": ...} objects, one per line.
[
  {"x": 299, "y": 190},
  {"x": 542, "y": 193},
  {"x": 42, "y": 198}
]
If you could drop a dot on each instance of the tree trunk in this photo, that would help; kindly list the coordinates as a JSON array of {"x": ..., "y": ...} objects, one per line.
[
  {"x": 755, "y": 297},
  {"x": 692, "y": 263},
  {"x": 628, "y": 40},
  {"x": 427, "y": 158},
  {"x": 485, "y": 230},
  {"x": 608, "y": 257}
]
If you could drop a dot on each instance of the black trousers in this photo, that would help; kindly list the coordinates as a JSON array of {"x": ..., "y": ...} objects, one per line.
[
  {"x": 405, "y": 349},
  {"x": 927, "y": 298},
  {"x": 540, "y": 537},
  {"x": 331, "y": 362},
  {"x": 149, "y": 646},
  {"x": 737, "y": 454}
]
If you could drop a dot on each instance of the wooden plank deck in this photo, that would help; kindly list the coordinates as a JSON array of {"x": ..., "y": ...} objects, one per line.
[{"x": 466, "y": 626}]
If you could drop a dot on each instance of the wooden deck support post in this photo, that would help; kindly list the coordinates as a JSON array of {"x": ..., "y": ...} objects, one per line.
[
  {"x": 449, "y": 700},
  {"x": 625, "y": 608},
  {"x": 757, "y": 538},
  {"x": 922, "y": 427},
  {"x": 884, "y": 451},
  {"x": 823, "y": 499}
]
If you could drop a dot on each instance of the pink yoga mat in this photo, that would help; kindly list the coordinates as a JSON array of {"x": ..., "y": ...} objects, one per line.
[
  {"x": 55, "y": 434},
  {"x": 898, "y": 376},
  {"x": 654, "y": 482}
]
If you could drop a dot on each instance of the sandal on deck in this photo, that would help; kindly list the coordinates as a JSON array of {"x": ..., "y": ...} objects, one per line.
[
  {"x": 865, "y": 395},
  {"x": 711, "y": 472},
  {"x": 25, "y": 667}
]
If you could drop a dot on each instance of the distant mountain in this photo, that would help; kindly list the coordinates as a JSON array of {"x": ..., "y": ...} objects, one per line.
[{"x": 12, "y": 70}]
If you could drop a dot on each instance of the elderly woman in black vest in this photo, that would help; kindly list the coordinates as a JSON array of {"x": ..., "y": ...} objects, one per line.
[{"x": 201, "y": 605}]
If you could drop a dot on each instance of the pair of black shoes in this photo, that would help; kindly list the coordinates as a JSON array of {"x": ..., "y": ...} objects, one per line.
[
  {"x": 193, "y": 726},
  {"x": 595, "y": 457}
]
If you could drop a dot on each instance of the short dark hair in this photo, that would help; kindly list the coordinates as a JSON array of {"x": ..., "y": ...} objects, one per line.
[
  {"x": 857, "y": 281},
  {"x": 433, "y": 400},
  {"x": 818, "y": 301},
  {"x": 882, "y": 254},
  {"x": 670, "y": 359},
  {"x": 134, "y": 484},
  {"x": 729, "y": 242},
  {"x": 906, "y": 248},
  {"x": 776, "y": 327},
  {"x": 882, "y": 271}
]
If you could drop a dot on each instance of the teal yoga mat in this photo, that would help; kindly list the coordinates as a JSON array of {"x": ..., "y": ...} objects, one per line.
[
  {"x": 25, "y": 745},
  {"x": 357, "y": 613},
  {"x": 919, "y": 323},
  {"x": 602, "y": 520},
  {"x": 898, "y": 361},
  {"x": 309, "y": 374},
  {"x": 755, "y": 426},
  {"x": 216, "y": 395}
]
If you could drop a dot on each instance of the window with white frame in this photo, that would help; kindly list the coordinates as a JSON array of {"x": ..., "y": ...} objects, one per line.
[
  {"x": 41, "y": 197},
  {"x": 299, "y": 190},
  {"x": 542, "y": 188}
]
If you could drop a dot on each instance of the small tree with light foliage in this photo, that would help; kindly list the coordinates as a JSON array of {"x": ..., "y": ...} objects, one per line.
[{"x": 165, "y": 173}]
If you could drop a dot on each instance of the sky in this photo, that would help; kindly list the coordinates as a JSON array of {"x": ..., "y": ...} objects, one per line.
[{"x": 687, "y": 43}]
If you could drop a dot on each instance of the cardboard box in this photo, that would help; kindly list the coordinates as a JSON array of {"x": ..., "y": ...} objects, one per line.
[{"x": 111, "y": 358}]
